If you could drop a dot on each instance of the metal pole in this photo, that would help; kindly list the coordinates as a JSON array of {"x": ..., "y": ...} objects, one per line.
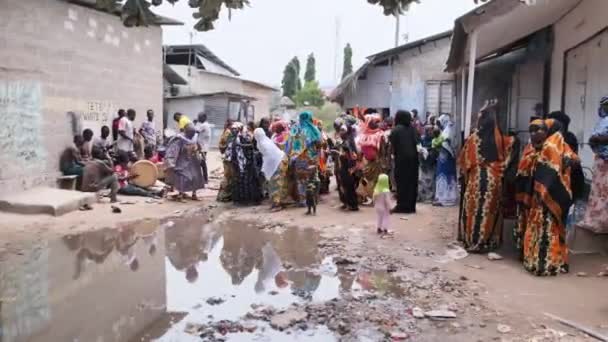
[
  {"x": 397, "y": 29},
  {"x": 472, "y": 59}
]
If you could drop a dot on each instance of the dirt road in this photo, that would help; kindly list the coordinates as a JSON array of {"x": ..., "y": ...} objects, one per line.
[{"x": 209, "y": 272}]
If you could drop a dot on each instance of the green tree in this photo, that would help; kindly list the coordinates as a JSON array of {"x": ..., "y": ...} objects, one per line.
[
  {"x": 290, "y": 80},
  {"x": 296, "y": 65},
  {"x": 348, "y": 61},
  {"x": 311, "y": 70},
  {"x": 310, "y": 95}
]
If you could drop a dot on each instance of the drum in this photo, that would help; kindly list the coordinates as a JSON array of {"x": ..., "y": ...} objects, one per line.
[{"x": 147, "y": 173}]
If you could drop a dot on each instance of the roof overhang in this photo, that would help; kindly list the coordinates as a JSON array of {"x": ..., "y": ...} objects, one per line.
[
  {"x": 172, "y": 77},
  {"x": 500, "y": 23}
]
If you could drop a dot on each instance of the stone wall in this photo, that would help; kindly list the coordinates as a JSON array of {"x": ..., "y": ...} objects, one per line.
[{"x": 57, "y": 58}]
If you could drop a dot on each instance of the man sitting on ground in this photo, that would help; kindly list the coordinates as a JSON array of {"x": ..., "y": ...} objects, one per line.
[
  {"x": 125, "y": 187},
  {"x": 70, "y": 162},
  {"x": 98, "y": 175}
]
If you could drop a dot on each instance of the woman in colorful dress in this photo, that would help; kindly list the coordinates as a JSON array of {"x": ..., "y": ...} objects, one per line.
[
  {"x": 183, "y": 164},
  {"x": 371, "y": 143},
  {"x": 274, "y": 168},
  {"x": 482, "y": 162},
  {"x": 304, "y": 141},
  {"x": 596, "y": 215},
  {"x": 280, "y": 134},
  {"x": 544, "y": 197},
  {"x": 324, "y": 173},
  {"x": 247, "y": 187},
  {"x": 446, "y": 187},
  {"x": 428, "y": 166},
  {"x": 225, "y": 192}
]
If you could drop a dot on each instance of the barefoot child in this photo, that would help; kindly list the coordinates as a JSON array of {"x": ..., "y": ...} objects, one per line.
[{"x": 382, "y": 203}]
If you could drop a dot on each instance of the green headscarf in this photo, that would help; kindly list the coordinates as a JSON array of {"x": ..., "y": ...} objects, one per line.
[{"x": 382, "y": 185}]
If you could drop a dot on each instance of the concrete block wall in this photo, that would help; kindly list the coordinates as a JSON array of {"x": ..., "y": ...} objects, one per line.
[
  {"x": 56, "y": 58},
  {"x": 413, "y": 69}
]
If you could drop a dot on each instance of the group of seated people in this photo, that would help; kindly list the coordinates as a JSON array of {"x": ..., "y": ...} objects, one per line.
[{"x": 99, "y": 166}]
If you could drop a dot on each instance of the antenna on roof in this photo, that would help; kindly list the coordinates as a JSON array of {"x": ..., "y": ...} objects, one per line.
[{"x": 190, "y": 55}]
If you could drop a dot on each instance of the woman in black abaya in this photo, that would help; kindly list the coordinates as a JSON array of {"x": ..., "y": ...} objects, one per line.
[{"x": 403, "y": 139}]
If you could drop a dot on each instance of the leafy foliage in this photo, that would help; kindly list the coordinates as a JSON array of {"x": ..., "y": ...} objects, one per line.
[
  {"x": 137, "y": 12},
  {"x": 310, "y": 95},
  {"x": 311, "y": 70},
  {"x": 296, "y": 65},
  {"x": 348, "y": 61},
  {"x": 291, "y": 83}
]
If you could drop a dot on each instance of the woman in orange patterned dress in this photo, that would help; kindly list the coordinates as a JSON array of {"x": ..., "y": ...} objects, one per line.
[
  {"x": 544, "y": 196},
  {"x": 484, "y": 158}
]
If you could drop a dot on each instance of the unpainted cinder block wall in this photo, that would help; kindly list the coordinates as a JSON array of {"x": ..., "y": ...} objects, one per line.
[{"x": 56, "y": 58}]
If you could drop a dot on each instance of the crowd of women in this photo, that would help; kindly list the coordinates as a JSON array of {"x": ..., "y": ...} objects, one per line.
[
  {"x": 537, "y": 185},
  {"x": 293, "y": 155}
]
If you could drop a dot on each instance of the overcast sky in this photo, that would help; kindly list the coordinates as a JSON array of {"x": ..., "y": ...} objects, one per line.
[{"x": 258, "y": 41}]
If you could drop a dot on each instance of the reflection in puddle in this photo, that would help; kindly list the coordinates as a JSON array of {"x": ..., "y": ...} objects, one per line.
[{"x": 146, "y": 281}]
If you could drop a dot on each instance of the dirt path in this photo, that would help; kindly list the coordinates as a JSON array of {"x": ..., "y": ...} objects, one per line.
[{"x": 364, "y": 285}]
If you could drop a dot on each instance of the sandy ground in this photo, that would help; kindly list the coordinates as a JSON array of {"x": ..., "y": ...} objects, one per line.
[{"x": 501, "y": 290}]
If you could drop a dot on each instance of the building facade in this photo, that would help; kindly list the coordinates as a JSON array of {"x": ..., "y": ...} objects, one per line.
[
  {"x": 59, "y": 58},
  {"x": 408, "y": 77}
]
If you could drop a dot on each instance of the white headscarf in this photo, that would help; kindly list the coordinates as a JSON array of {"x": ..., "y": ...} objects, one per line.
[
  {"x": 271, "y": 154},
  {"x": 448, "y": 132}
]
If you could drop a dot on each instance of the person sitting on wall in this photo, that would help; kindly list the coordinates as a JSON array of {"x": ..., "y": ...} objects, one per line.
[
  {"x": 98, "y": 174},
  {"x": 70, "y": 162}
]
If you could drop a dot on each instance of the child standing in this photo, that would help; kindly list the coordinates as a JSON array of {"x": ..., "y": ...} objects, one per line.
[{"x": 382, "y": 203}]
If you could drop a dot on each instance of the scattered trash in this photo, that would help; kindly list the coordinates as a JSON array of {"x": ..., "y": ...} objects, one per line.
[
  {"x": 116, "y": 210},
  {"x": 602, "y": 274},
  {"x": 440, "y": 314},
  {"x": 287, "y": 319},
  {"x": 215, "y": 301},
  {"x": 477, "y": 267},
  {"x": 404, "y": 218},
  {"x": 343, "y": 261},
  {"x": 399, "y": 336},
  {"x": 418, "y": 312},
  {"x": 503, "y": 328},
  {"x": 582, "y": 274},
  {"x": 494, "y": 256},
  {"x": 128, "y": 202}
]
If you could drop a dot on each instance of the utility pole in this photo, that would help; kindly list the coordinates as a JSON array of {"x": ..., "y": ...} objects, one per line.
[
  {"x": 337, "y": 51},
  {"x": 397, "y": 27}
]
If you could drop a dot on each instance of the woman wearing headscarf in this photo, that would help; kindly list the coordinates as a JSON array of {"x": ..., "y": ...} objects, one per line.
[
  {"x": 404, "y": 139},
  {"x": 304, "y": 141},
  {"x": 446, "y": 187},
  {"x": 544, "y": 198},
  {"x": 324, "y": 173},
  {"x": 225, "y": 192},
  {"x": 183, "y": 164},
  {"x": 274, "y": 168},
  {"x": 280, "y": 134},
  {"x": 372, "y": 146},
  {"x": 428, "y": 166},
  {"x": 596, "y": 215},
  {"x": 247, "y": 187},
  {"x": 483, "y": 162}
]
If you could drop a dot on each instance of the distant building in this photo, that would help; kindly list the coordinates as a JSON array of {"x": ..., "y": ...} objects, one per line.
[
  {"x": 211, "y": 86},
  {"x": 59, "y": 57},
  {"x": 410, "y": 76}
]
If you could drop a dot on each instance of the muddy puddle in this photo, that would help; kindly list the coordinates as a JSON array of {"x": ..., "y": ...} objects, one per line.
[{"x": 175, "y": 281}]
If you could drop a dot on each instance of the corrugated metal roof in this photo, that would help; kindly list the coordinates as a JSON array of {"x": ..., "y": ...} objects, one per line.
[
  {"x": 201, "y": 50},
  {"x": 172, "y": 77}
]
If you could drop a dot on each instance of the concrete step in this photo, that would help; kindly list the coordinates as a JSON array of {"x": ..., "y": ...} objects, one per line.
[{"x": 45, "y": 200}]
